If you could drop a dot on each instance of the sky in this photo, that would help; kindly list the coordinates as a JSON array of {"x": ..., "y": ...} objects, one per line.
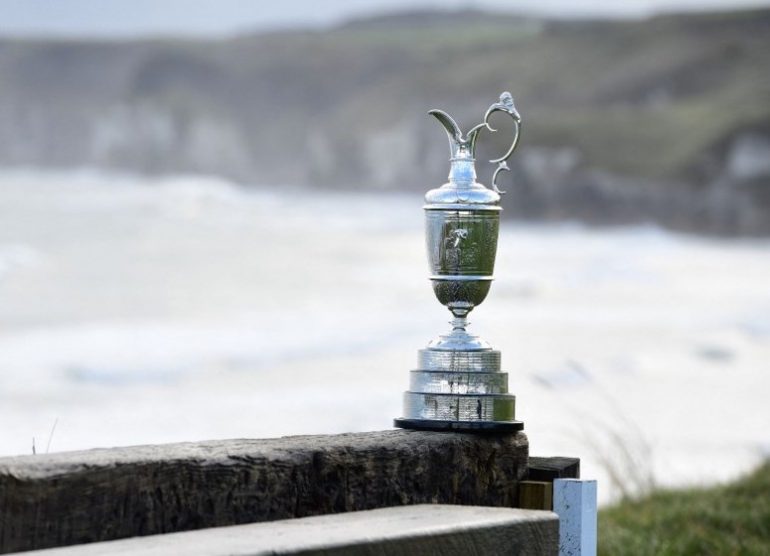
[{"x": 128, "y": 18}]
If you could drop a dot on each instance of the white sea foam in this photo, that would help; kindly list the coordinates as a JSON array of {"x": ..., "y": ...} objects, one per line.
[{"x": 138, "y": 310}]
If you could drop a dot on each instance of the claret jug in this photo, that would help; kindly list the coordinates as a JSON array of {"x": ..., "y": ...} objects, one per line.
[{"x": 458, "y": 384}]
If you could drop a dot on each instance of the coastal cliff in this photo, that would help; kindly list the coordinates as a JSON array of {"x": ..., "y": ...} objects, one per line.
[{"x": 665, "y": 119}]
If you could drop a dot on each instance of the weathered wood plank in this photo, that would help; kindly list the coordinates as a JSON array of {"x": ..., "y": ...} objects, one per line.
[
  {"x": 536, "y": 495},
  {"x": 77, "y": 497},
  {"x": 423, "y": 530},
  {"x": 552, "y": 468}
]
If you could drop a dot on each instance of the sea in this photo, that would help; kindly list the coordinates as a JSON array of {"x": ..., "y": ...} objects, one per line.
[{"x": 142, "y": 310}]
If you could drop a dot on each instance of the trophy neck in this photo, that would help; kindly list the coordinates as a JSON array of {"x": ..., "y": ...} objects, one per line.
[
  {"x": 459, "y": 339},
  {"x": 462, "y": 172}
]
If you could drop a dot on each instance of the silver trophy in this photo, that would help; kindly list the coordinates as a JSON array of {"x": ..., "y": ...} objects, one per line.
[{"x": 458, "y": 384}]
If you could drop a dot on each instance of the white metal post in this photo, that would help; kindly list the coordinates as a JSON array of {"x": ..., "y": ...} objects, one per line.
[{"x": 574, "y": 501}]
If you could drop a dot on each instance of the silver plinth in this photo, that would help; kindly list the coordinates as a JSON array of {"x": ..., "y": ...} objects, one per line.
[
  {"x": 459, "y": 390},
  {"x": 458, "y": 384}
]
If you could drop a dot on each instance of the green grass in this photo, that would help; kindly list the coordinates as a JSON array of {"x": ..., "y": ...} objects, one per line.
[
  {"x": 658, "y": 99},
  {"x": 730, "y": 519}
]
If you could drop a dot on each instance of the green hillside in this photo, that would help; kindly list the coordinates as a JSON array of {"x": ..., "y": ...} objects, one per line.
[
  {"x": 665, "y": 119},
  {"x": 649, "y": 98}
]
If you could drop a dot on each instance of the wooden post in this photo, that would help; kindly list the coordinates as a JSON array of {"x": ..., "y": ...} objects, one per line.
[
  {"x": 536, "y": 491},
  {"x": 78, "y": 497},
  {"x": 536, "y": 495},
  {"x": 552, "y": 468}
]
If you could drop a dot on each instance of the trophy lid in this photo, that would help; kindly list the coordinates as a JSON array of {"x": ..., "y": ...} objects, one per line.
[{"x": 463, "y": 190}]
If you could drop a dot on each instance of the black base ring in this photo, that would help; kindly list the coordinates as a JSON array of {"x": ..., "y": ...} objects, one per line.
[{"x": 464, "y": 426}]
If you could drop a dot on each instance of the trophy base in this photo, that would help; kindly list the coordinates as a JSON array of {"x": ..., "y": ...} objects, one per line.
[
  {"x": 461, "y": 390},
  {"x": 444, "y": 426}
]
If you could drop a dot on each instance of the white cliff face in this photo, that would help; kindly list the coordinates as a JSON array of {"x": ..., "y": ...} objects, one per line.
[
  {"x": 548, "y": 164},
  {"x": 151, "y": 136},
  {"x": 749, "y": 157},
  {"x": 389, "y": 154},
  {"x": 321, "y": 157},
  {"x": 213, "y": 144},
  {"x": 121, "y": 128}
]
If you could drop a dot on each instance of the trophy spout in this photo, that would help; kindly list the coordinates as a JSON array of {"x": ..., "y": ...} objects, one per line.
[{"x": 461, "y": 148}]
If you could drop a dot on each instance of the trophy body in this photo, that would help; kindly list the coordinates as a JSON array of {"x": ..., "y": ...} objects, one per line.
[{"x": 458, "y": 384}]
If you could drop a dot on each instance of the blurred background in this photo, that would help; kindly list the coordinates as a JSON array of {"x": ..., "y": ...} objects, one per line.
[{"x": 211, "y": 223}]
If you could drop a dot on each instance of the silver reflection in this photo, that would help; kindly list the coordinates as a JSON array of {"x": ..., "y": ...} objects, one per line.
[{"x": 458, "y": 384}]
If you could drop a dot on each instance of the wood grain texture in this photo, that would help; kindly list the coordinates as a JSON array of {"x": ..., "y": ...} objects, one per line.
[
  {"x": 422, "y": 530},
  {"x": 77, "y": 497},
  {"x": 536, "y": 495},
  {"x": 552, "y": 468}
]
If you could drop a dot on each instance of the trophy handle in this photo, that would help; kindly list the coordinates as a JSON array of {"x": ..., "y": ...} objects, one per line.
[
  {"x": 465, "y": 147},
  {"x": 505, "y": 105}
]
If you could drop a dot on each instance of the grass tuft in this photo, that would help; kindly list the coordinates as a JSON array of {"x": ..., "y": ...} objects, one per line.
[{"x": 729, "y": 519}]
